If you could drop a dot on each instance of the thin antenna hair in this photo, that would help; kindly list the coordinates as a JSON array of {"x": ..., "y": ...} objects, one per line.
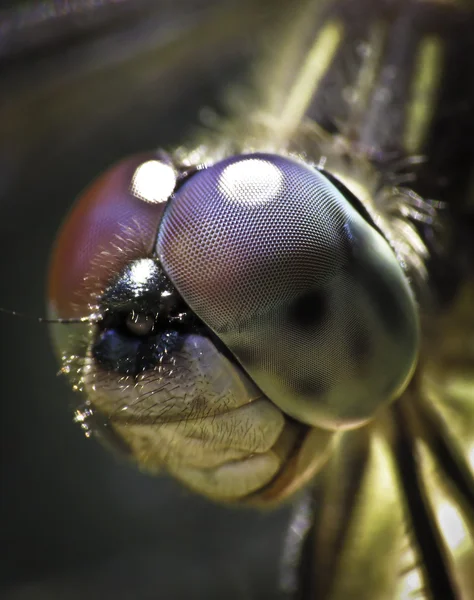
[{"x": 62, "y": 321}]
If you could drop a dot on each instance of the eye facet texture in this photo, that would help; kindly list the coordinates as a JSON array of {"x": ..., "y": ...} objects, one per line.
[{"x": 305, "y": 293}]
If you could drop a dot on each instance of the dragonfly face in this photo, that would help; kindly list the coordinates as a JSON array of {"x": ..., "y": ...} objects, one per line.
[
  {"x": 251, "y": 303},
  {"x": 258, "y": 253}
]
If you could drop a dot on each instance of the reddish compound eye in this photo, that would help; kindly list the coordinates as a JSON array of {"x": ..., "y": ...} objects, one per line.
[{"x": 113, "y": 222}]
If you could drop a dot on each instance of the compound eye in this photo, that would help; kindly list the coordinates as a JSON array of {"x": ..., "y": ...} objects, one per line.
[
  {"x": 112, "y": 225},
  {"x": 297, "y": 283},
  {"x": 113, "y": 222}
]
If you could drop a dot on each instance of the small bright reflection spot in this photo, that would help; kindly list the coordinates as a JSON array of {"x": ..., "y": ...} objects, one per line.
[
  {"x": 153, "y": 181},
  {"x": 82, "y": 416},
  {"x": 251, "y": 182},
  {"x": 451, "y": 525},
  {"x": 141, "y": 271}
]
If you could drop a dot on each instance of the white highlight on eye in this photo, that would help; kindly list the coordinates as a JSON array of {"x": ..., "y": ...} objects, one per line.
[
  {"x": 251, "y": 182},
  {"x": 153, "y": 181},
  {"x": 141, "y": 271}
]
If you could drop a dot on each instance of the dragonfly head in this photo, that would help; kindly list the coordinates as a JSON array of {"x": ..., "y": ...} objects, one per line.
[{"x": 252, "y": 291}]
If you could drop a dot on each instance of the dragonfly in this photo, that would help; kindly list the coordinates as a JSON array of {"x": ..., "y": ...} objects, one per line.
[{"x": 349, "y": 152}]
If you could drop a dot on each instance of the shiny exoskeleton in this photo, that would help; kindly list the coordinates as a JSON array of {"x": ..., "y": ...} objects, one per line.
[{"x": 286, "y": 304}]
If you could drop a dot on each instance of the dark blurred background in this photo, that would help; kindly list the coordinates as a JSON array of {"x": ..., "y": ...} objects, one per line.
[{"x": 83, "y": 84}]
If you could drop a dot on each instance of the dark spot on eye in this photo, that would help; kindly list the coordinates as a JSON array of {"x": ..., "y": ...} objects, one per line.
[
  {"x": 309, "y": 310},
  {"x": 383, "y": 299},
  {"x": 359, "y": 345},
  {"x": 376, "y": 283},
  {"x": 313, "y": 387}
]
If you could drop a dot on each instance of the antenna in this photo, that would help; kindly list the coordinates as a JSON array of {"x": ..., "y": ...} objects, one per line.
[{"x": 68, "y": 321}]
